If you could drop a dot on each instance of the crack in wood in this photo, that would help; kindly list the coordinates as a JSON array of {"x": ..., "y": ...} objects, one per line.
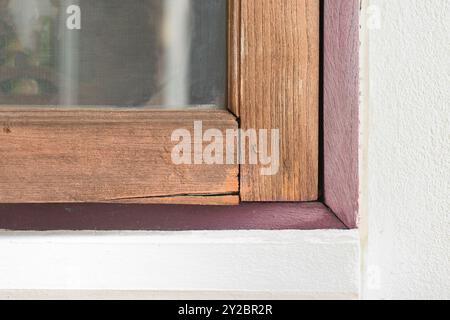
[{"x": 175, "y": 196}]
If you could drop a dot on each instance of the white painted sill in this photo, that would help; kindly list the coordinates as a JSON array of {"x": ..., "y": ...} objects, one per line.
[{"x": 205, "y": 264}]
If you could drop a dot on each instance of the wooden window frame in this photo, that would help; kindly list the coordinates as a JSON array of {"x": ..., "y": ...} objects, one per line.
[{"x": 338, "y": 205}]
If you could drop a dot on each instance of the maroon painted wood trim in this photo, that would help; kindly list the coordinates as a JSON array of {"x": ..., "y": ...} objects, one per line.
[
  {"x": 341, "y": 108},
  {"x": 44, "y": 217}
]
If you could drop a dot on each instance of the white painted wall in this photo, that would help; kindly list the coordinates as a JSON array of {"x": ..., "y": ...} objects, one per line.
[{"x": 408, "y": 253}]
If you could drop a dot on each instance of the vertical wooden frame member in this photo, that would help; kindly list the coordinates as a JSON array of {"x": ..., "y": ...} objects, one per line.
[
  {"x": 341, "y": 109},
  {"x": 234, "y": 54},
  {"x": 278, "y": 88}
]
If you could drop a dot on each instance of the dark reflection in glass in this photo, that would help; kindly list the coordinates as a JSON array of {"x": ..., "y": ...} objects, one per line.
[{"x": 162, "y": 53}]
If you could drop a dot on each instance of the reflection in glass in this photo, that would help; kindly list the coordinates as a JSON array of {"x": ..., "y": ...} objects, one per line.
[{"x": 165, "y": 53}]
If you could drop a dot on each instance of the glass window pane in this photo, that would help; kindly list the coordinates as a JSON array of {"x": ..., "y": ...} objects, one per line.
[{"x": 160, "y": 53}]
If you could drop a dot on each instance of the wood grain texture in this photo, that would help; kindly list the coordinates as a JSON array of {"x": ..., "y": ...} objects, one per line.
[
  {"x": 200, "y": 200},
  {"x": 341, "y": 103},
  {"x": 279, "y": 89},
  {"x": 106, "y": 155},
  {"x": 234, "y": 46},
  {"x": 267, "y": 216}
]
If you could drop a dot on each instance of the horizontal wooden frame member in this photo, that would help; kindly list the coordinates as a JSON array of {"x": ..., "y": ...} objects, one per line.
[{"x": 109, "y": 155}]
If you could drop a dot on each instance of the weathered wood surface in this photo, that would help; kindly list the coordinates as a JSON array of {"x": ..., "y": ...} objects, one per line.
[
  {"x": 234, "y": 55},
  {"x": 341, "y": 108},
  {"x": 107, "y": 155},
  {"x": 279, "y": 89}
]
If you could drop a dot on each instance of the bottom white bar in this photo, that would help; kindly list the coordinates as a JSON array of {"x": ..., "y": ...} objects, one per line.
[{"x": 206, "y": 264}]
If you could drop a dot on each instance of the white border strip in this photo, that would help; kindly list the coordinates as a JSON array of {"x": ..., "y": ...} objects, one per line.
[{"x": 264, "y": 263}]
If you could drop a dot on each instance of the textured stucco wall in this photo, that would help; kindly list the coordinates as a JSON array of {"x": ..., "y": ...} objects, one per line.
[{"x": 408, "y": 253}]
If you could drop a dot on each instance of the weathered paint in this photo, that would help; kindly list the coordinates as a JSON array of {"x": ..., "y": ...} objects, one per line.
[
  {"x": 341, "y": 109},
  {"x": 167, "y": 217}
]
